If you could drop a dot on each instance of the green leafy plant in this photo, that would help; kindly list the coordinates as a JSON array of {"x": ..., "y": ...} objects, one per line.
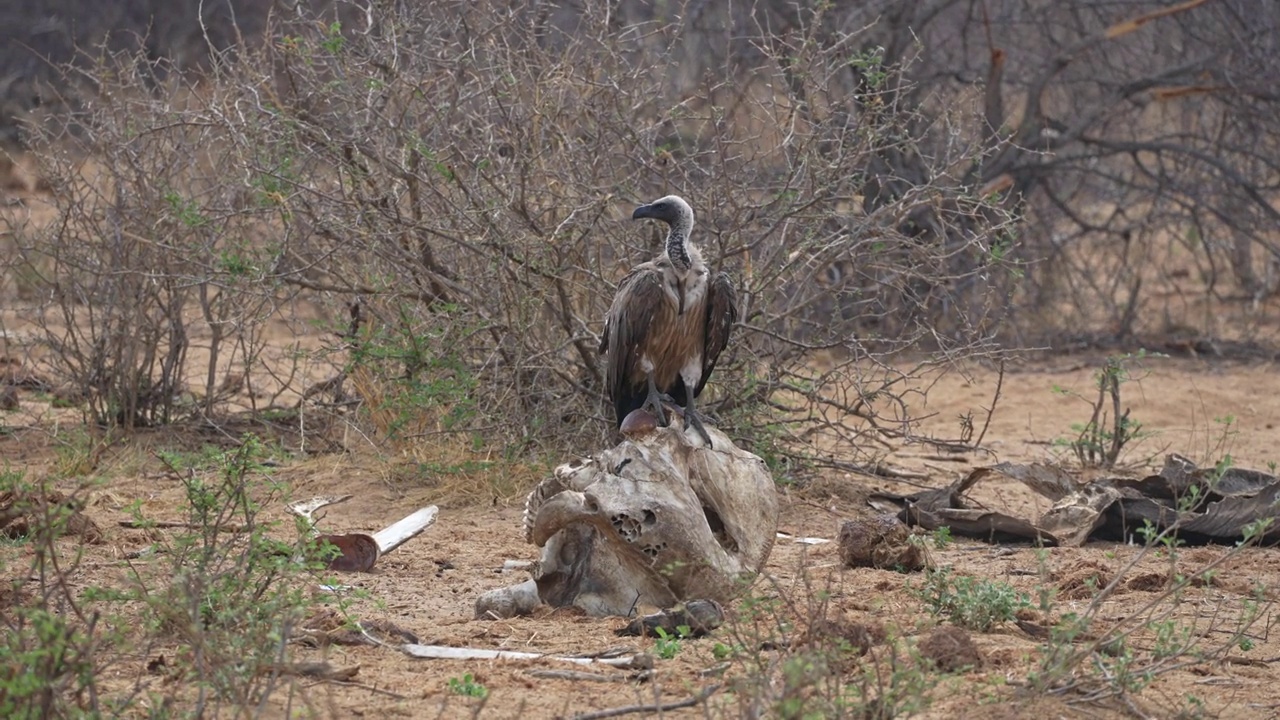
[
  {"x": 1096, "y": 658},
  {"x": 667, "y": 645},
  {"x": 50, "y": 641},
  {"x": 795, "y": 658},
  {"x": 226, "y": 585},
  {"x": 467, "y": 686},
  {"x": 1100, "y": 441},
  {"x": 973, "y": 603}
]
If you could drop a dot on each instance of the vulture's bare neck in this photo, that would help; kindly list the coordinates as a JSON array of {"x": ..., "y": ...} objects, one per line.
[{"x": 678, "y": 249}]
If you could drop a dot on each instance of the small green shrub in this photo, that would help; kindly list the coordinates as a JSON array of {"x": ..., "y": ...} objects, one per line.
[
  {"x": 667, "y": 644},
  {"x": 974, "y": 603},
  {"x": 467, "y": 687}
]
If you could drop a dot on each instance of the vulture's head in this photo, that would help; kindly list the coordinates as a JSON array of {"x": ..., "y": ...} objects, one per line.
[{"x": 672, "y": 210}]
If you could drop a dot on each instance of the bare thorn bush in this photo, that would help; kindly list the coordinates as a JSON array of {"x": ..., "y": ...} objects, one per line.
[{"x": 466, "y": 185}]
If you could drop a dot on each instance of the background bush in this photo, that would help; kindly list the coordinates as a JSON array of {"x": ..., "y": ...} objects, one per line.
[{"x": 445, "y": 188}]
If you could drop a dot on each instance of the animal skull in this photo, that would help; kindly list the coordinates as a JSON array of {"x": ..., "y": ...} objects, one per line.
[{"x": 659, "y": 519}]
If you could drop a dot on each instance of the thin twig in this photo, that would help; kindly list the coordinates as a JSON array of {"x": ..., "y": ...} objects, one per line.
[
  {"x": 173, "y": 525},
  {"x": 363, "y": 686},
  {"x": 653, "y": 708},
  {"x": 995, "y": 399}
]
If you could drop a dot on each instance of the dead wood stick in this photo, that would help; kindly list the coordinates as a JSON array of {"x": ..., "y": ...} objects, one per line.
[
  {"x": 654, "y": 708},
  {"x": 172, "y": 525},
  {"x": 577, "y": 675},
  {"x": 318, "y": 670},
  {"x": 362, "y": 686}
]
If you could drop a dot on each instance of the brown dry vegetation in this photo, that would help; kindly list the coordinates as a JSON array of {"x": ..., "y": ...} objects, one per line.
[{"x": 370, "y": 253}]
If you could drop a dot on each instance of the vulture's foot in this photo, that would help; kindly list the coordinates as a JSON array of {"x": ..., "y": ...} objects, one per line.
[
  {"x": 653, "y": 403},
  {"x": 694, "y": 420}
]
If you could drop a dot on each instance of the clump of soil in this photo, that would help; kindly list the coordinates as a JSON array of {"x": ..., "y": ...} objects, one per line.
[
  {"x": 22, "y": 515},
  {"x": 1081, "y": 580},
  {"x": 950, "y": 649},
  {"x": 881, "y": 542},
  {"x": 856, "y": 637}
]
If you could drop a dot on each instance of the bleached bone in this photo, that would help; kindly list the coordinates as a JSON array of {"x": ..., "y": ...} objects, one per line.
[
  {"x": 359, "y": 552},
  {"x": 639, "y": 661},
  {"x": 305, "y": 509},
  {"x": 405, "y": 529}
]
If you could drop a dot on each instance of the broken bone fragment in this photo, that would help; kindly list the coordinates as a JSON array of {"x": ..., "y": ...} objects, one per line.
[
  {"x": 656, "y": 520},
  {"x": 880, "y": 542},
  {"x": 508, "y": 602},
  {"x": 359, "y": 552},
  {"x": 352, "y": 552}
]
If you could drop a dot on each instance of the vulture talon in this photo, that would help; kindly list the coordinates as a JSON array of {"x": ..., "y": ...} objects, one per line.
[
  {"x": 694, "y": 420},
  {"x": 653, "y": 403}
]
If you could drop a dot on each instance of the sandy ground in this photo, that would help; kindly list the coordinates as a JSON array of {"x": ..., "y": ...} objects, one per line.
[{"x": 429, "y": 585}]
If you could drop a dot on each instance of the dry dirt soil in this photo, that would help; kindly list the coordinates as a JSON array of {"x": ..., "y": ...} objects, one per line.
[{"x": 429, "y": 585}]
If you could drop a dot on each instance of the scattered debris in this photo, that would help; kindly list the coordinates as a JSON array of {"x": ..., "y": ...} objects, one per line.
[
  {"x": 800, "y": 540},
  {"x": 1081, "y": 580},
  {"x": 143, "y": 553},
  {"x": 357, "y": 552},
  {"x": 406, "y": 529},
  {"x": 1207, "y": 505},
  {"x": 654, "y": 709},
  {"x": 880, "y": 542},
  {"x": 23, "y": 514},
  {"x": 306, "y": 509},
  {"x": 715, "y": 670},
  {"x": 335, "y": 588},
  {"x": 614, "y": 652},
  {"x": 328, "y": 627},
  {"x": 858, "y": 637},
  {"x": 699, "y": 617},
  {"x": 950, "y": 649}
]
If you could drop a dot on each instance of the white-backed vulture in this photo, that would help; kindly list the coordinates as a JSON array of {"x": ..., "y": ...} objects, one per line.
[{"x": 667, "y": 325}]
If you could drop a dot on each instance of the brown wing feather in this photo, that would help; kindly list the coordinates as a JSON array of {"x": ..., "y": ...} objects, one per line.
[
  {"x": 722, "y": 313},
  {"x": 626, "y": 328}
]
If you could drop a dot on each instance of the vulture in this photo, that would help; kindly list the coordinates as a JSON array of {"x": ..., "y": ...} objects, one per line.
[{"x": 668, "y": 324}]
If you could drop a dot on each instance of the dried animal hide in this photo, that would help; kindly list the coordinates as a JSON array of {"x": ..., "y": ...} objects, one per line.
[{"x": 1207, "y": 506}]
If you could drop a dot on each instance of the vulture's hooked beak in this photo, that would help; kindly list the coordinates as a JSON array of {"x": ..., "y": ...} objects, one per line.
[{"x": 644, "y": 211}]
